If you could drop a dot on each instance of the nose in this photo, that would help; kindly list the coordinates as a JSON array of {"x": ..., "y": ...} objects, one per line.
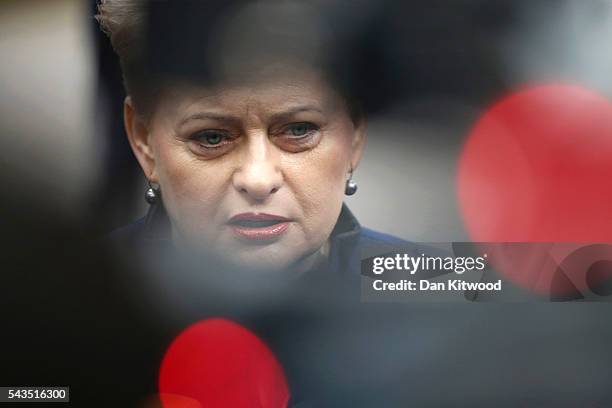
[{"x": 259, "y": 175}]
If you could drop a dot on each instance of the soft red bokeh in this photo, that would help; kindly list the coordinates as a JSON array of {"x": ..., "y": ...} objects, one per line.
[
  {"x": 219, "y": 363},
  {"x": 537, "y": 167}
]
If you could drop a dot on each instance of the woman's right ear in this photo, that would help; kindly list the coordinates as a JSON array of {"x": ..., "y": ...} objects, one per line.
[{"x": 139, "y": 138}]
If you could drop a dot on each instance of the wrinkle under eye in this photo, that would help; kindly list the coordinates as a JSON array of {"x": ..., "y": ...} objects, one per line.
[
  {"x": 210, "y": 143},
  {"x": 298, "y": 137}
]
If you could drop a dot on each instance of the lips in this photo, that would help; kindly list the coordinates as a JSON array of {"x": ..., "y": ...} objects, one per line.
[{"x": 258, "y": 227}]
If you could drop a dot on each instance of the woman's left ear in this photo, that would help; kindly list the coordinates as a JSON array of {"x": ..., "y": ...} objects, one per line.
[{"x": 359, "y": 139}]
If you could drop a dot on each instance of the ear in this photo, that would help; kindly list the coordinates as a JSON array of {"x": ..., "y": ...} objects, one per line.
[
  {"x": 139, "y": 138},
  {"x": 359, "y": 140}
]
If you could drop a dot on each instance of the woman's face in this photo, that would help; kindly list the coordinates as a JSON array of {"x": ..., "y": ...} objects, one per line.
[{"x": 254, "y": 170}]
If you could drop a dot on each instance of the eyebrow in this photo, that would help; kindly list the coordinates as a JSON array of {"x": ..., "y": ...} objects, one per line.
[
  {"x": 280, "y": 116},
  {"x": 233, "y": 120}
]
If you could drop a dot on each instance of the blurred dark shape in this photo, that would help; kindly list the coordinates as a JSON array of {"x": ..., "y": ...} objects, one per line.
[
  {"x": 378, "y": 52},
  {"x": 562, "y": 289},
  {"x": 64, "y": 318},
  {"x": 599, "y": 278}
]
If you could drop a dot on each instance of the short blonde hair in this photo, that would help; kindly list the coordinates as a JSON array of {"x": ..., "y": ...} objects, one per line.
[{"x": 122, "y": 21}]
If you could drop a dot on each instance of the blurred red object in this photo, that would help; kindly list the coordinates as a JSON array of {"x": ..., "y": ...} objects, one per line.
[
  {"x": 537, "y": 167},
  {"x": 219, "y": 363}
]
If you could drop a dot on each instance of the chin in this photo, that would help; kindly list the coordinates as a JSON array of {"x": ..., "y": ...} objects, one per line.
[
  {"x": 268, "y": 258},
  {"x": 284, "y": 254},
  {"x": 264, "y": 262}
]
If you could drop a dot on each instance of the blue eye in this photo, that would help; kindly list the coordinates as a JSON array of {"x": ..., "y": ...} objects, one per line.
[
  {"x": 301, "y": 129},
  {"x": 210, "y": 138},
  {"x": 214, "y": 138}
]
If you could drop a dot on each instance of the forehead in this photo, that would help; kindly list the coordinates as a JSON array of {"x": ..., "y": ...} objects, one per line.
[{"x": 273, "y": 88}]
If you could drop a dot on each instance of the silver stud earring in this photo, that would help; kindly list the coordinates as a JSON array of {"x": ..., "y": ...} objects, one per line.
[
  {"x": 152, "y": 194},
  {"x": 351, "y": 185}
]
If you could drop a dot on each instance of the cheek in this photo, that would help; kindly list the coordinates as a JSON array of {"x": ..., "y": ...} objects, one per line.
[
  {"x": 192, "y": 190},
  {"x": 318, "y": 180}
]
